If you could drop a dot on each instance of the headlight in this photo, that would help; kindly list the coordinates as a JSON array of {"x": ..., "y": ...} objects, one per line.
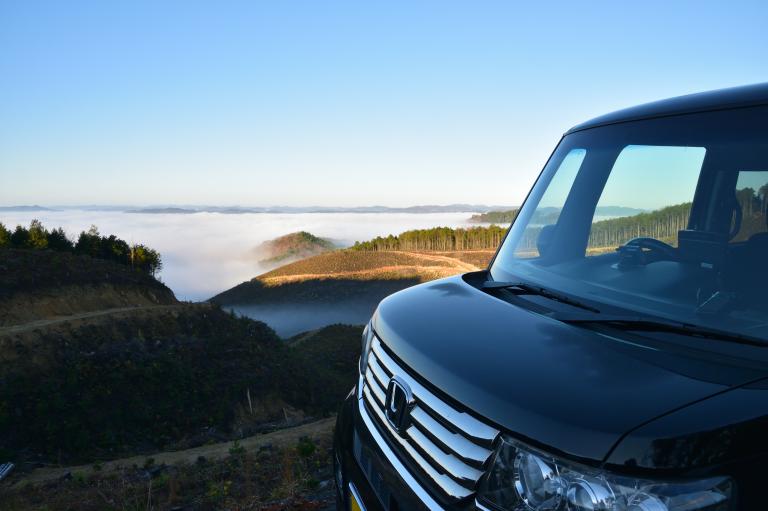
[
  {"x": 523, "y": 479},
  {"x": 366, "y": 348},
  {"x": 536, "y": 482}
]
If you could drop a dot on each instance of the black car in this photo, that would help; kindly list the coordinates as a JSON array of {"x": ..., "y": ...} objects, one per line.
[{"x": 613, "y": 356}]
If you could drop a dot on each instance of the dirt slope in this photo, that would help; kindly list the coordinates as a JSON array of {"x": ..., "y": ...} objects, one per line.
[{"x": 350, "y": 274}]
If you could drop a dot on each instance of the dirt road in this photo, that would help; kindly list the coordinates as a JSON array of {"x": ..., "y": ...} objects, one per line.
[
  {"x": 280, "y": 438},
  {"x": 93, "y": 315}
]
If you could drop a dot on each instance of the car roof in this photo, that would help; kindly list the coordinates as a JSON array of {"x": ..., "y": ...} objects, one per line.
[{"x": 735, "y": 97}]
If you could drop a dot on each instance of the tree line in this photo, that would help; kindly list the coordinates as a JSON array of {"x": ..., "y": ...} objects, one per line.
[
  {"x": 753, "y": 202},
  {"x": 495, "y": 217},
  {"x": 437, "y": 239},
  {"x": 753, "y": 205},
  {"x": 662, "y": 224},
  {"x": 665, "y": 223},
  {"x": 90, "y": 243}
]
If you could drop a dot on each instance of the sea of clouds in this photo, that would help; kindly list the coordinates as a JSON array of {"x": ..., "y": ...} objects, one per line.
[{"x": 206, "y": 253}]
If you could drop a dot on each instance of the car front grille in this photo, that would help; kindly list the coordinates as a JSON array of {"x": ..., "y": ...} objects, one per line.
[{"x": 449, "y": 448}]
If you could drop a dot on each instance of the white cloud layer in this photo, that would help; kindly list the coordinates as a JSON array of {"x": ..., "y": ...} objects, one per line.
[{"x": 206, "y": 253}]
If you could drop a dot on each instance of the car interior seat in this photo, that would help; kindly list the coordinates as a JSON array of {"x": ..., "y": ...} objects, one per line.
[{"x": 747, "y": 273}]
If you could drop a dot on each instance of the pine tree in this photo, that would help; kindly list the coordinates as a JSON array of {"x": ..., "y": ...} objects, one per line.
[{"x": 5, "y": 236}]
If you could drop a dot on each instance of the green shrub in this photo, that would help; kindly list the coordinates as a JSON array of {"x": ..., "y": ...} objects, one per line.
[{"x": 306, "y": 447}]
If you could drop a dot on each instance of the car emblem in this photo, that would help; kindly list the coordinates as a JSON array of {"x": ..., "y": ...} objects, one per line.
[{"x": 398, "y": 404}]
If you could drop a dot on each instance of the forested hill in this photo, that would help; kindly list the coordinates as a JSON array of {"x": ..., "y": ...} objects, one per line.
[
  {"x": 88, "y": 243},
  {"x": 662, "y": 224},
  {"x": 438, "y": 239},
  {"x": 99, "y": 360},
  {"x": 44, "y": 274},
  {"x": 291, "y": 247},
  {"x": 548, "y": 215},
  {"x": 495, "y": 217},
  {"x": 160, "y": 379}
]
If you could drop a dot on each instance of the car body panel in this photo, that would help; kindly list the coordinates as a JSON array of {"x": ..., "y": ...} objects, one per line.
[
  {"x": 564, "y": 388},
  {"x": 723, "y": 429},
  {"x": 734, "y": 97}
]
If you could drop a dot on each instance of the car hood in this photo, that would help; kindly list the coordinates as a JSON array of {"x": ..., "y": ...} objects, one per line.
[{"x": 560, "y": 387}]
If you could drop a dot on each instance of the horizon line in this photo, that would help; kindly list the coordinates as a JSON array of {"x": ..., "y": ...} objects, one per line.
[{"x": 240, "y": 206}]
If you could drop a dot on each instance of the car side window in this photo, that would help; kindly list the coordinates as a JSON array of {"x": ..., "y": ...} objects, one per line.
[
  {"x": 551, "y": 204},
  {"x": 752, "y": 196}
]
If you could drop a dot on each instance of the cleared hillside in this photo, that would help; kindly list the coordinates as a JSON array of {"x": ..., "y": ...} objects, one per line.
[
  {"x": 161, "y": 378},
  {"x": 100, "y": 362},
  {"x": 347, "y": 274},
  {"x": 98, "y": 359},
  {"x": 37, "y": 284},
  {"x": 365, "y": 264}
]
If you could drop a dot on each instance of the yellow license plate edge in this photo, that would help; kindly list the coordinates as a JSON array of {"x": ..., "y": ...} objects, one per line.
[{"x": 353, "y": 503}]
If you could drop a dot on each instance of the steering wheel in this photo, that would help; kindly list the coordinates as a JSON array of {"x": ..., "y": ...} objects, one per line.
[{"x": 643, "y": 250}]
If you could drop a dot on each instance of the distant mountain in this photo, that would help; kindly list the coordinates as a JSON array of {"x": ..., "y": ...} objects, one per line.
[
  {"x": 618, "y": 211},
  {"x": 165, "y": 211},
  {"x": 292, "y": 247},
  {"x": 24, "y": 208},
  {"x": 168, "y": 209},
  {"x": 234, "y": 210},
  {"x": 94, "y": 207}
]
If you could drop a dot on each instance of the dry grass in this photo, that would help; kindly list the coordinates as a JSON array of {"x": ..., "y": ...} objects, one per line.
[
  {"x": 349, "y": 261},
  {"x": 364, "y": 276},
  {"x": 477, "y": 258},
  {"x": 368, "y": 266},
  {"x": 294, "y": 475}
]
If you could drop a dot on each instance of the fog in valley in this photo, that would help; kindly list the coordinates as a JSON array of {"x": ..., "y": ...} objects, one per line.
[
  {"x": 207, "y": 253},
  {"x": 289, "y": 320}
]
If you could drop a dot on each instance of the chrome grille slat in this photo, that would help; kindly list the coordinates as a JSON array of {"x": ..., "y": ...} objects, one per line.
[
  {"x": 459, "y": 470},
  {"x": 446, "y": 461},
  {"x": 457, "y": 443},
  {"x": 378, "y": 372},
  {"x": 449, "y": 446},
  {"x": 376, "y": 390},
  {"x": 466, "y": 423},
  {"x": 444, "y": 482}
]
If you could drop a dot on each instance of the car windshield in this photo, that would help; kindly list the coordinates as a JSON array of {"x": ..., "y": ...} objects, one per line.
[{"x": 663, "y": 217}]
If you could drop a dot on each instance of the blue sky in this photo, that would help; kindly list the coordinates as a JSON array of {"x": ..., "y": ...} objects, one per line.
[{"x": 334, "y": 103}]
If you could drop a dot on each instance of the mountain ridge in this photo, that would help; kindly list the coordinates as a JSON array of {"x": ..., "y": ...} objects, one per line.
[{"x": 426, "y": 208}]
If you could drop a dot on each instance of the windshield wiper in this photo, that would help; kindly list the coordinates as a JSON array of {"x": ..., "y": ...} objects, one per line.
[
  {"x": 644, "y": 324},
  {"x": 523, "y": 288}
]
